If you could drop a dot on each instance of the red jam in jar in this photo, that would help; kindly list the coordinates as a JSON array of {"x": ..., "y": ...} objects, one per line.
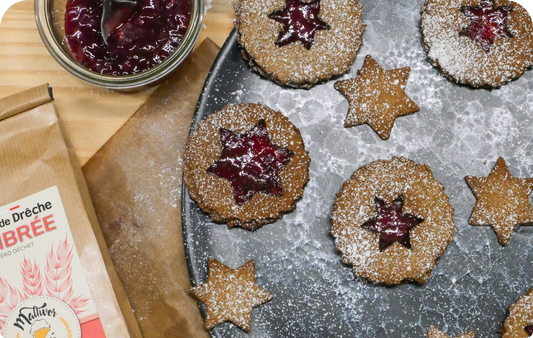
[{"x": 143, "y": 33}]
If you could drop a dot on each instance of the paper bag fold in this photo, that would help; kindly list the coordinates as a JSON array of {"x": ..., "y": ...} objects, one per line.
[{"x": 35, "y": 154}]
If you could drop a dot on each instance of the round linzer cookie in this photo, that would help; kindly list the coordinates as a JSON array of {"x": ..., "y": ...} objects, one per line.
[
  {"x": 519, "y": 323},
  {"x": 299, "y": 43},
  {"x": 482, "y": 43},
  {"x": 246, "y": 165},
  {"x": 392, "y": 221}
]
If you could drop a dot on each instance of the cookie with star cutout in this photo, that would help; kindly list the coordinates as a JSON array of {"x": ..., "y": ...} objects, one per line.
[
  {"x": 502, "y": 201},
  {"x": 519, "y": 322},
  {"x": 481, "y": 43},
  {"x": 246, "y": 165},
  {"x": 230, "y": 294},
  {"x": 392, "y": 221},
  {"x": 299, "y": 43},
  {"x": 433, "y": 332},
  {"x": 376, "y": 97}
]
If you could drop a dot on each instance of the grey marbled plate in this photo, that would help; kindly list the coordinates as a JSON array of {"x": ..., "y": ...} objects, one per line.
[{"x": 458, "y": 131}]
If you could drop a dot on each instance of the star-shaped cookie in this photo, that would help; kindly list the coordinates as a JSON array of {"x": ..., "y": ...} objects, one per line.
[
  {"x": 436, "y": 333},
  {"x": 230, "y": 294},
  {"x": 502, "y": 201},
  {"x": 376, "y": 97}
]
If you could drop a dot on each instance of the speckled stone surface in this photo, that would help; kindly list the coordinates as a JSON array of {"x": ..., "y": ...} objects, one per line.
[{"x": 458, "y": 131}]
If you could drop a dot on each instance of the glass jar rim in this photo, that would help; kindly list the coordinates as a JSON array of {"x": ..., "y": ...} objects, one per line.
[{"x": 119, "y": 82}]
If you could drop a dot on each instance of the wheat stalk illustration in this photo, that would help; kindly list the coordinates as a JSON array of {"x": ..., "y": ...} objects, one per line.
[
  {"x": 31, "y": 278},
  {"x": 56, "y": 281},
  {"x": 9, "y": 298},
  {"x": 67, "y": 327},
  {"x": 58, "y": 276}
]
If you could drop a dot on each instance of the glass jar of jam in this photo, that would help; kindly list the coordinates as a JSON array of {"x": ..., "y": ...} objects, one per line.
[{"x": 150, "y": 42}]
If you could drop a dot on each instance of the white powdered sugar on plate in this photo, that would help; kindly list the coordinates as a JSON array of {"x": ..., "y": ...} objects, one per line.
[
  {"x": 422, "y": 196},
  {"x": 520, "y": 316},
  {"x": 458, "y": 131},
  {"x": 463, "y": 59}
]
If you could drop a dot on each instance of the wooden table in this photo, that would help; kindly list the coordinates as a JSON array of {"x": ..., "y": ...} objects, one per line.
[{"x": 91, "y": 114}]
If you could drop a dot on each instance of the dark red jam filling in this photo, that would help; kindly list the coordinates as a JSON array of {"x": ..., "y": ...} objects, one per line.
[
  {"x": 142, "y": 34},
  {"x": 300, "y": 22},
  {"x": 392, "y": 224},
  {"x": 251, "y": 163},
  {"x": 487, "y": 23},
  {"x": 529, "y": 329}
]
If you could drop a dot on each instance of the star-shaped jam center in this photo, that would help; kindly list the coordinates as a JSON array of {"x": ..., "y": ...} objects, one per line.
[
  {"x": 230, "y": 294},
  {"x": 487, "y": 23},
  {"x": 529, "y": 329},
  {"x": 502, "y": 201},
  {"x": 300, "y": 22},
  {"x": 251, "y": 163},
  {"x": 392, "y": 224}
]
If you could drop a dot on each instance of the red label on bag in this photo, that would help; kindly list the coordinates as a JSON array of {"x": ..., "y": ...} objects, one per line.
[{"x": 41, "y": 281}]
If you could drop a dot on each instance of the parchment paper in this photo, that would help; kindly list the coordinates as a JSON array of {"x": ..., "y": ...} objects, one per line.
[{"x": 135, "y": 182}]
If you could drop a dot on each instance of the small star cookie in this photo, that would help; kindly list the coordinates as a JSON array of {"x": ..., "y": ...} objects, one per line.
[
  {"x": 502, "y": 201},
  {"x": 519, "y": 323},
  {"x": 230, "y": 294},
  {"x": 436, "y": 333},
  {"x": 376, "y": 97}
]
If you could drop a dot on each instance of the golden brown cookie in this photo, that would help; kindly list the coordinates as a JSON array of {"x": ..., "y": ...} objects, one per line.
[
  {"x": 519, "y": 322},
  {"x": 392, "y": 221},
  {"x": 376, "y": 97},
  {"x": 502, "y": 201},
  {"x": 482, "y": 43},
  {"x": 251, "y": 184},
  {"x": 294, "y": 53},
  {"x": 230, "y": 294},
  {"x": 436, "y": 333}
]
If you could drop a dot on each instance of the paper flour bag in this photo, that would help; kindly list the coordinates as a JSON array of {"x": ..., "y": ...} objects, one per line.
[{"x": 56, "y": 276}]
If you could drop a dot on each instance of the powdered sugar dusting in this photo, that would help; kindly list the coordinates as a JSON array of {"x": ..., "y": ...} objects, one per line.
[
  {"x": 455, "y": 132},
  {"x": 436, "y": 333},
  {"x": 215, "y": 195},
  {"x": 502, "y": 201},
  {"x": 463, "y": 59},
  {"x": 332, "y": 53},
  {"x": 520, "y": 315},
  {"x": 423, "y": 197},
  {"x": 376, "y": 97},
  {"x": 230, "y": 294}
]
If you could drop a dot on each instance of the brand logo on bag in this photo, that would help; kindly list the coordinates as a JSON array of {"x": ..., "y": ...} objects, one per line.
[{"x": 42, "y": 317}]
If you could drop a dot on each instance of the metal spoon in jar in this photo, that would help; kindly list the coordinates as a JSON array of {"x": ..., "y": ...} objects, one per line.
[{"x": 115, "y": 14}]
